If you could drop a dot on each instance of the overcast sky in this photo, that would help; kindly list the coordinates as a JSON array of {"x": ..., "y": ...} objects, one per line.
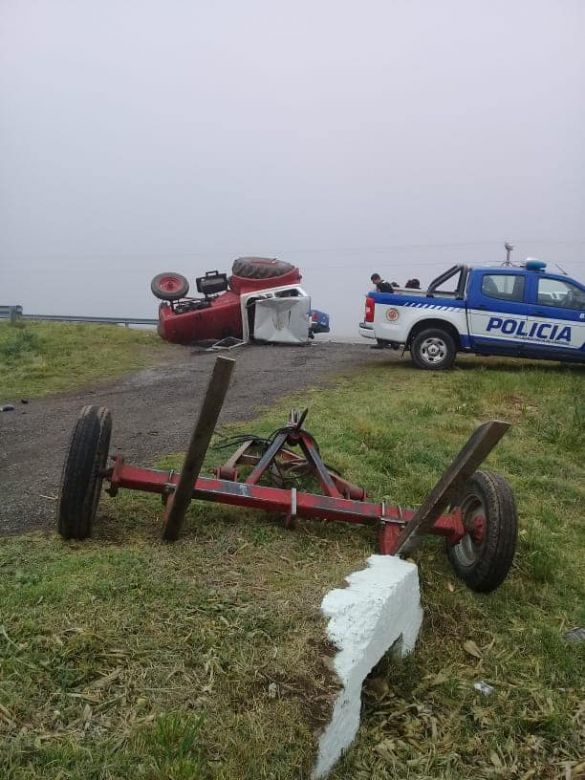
[{"x": 397, "y": 136}]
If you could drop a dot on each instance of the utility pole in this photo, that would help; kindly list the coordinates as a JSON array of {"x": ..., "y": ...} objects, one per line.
[{"x": 509, "y": 249}]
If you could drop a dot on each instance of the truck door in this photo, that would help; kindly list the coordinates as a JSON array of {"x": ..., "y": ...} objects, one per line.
[
  {"x": 556, "y": 318},
  {"x": 496, "y": 311}
]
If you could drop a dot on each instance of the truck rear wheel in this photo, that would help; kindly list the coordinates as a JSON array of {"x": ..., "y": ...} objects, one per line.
[{"x": 433, "y": 350}]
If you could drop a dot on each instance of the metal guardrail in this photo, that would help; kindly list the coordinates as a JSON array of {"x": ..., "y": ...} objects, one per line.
[
  {"x": 6, "y": 312},
  {"x": 16, "y": 312}
]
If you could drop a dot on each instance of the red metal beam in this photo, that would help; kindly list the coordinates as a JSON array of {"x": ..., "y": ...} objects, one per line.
[
  {"x": 272, "y": 499},
  {"x": 311, "y": 453}
]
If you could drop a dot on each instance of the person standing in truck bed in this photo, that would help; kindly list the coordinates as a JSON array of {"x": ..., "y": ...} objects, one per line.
[{"x": 381, "y": 285}]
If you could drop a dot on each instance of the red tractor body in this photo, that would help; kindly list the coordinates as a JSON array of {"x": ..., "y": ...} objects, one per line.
[
  {"x": 226, "y": 307},
  {"x": 220, "y": 319}
]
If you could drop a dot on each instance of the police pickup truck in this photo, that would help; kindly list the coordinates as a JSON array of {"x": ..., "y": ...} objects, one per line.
[{"x": 513, "y": 311}]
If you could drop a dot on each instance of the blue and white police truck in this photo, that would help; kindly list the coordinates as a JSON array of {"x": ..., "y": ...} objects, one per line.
[{"x": 517, "y": 311}]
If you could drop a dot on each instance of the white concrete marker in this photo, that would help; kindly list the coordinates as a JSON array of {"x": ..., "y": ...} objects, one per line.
[{"x": 380, "y": 606}]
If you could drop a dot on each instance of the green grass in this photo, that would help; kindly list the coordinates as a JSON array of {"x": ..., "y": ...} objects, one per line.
[
  {"x": 124, "y": 657},
  {"x": 37, "y": 358}
]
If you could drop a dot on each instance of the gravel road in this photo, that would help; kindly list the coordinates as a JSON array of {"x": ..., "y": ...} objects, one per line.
[{"x": 153, "y": 413}]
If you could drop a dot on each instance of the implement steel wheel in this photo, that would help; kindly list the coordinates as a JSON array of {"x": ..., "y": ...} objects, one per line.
[
  {"x": 81, "y": 480},
  {"x": 483, "y": 557}
]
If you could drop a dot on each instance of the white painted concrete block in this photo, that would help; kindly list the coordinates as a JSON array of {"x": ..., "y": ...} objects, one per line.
[{"x": 380, "y": 606}]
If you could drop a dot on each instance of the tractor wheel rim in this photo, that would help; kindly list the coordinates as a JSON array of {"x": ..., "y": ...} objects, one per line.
[
  {"x": 433, "y": 350},
  {"x": 170, "y": 283},
  {"x": 474, "y": 520}
]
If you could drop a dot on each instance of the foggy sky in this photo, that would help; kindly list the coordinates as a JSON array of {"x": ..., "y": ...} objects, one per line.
[{"x": 398, "y": 136}]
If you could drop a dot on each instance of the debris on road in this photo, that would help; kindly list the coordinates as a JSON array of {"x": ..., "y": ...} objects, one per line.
[
  {"x": 576, "y": 635},
  {"x": 483, "y": 687}
]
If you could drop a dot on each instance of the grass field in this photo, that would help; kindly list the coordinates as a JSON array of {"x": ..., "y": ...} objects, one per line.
[
  {"x": 126, "y": 658},
  {"x": 37, "y": 358}
]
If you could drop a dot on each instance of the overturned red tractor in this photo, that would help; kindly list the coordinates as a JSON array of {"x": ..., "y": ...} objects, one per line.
[{"x": 262, "y": 300}]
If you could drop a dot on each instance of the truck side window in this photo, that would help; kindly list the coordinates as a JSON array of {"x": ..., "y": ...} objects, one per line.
[
  {"x": 555, "y": 292},
  {"x": 505, "y": 287}
]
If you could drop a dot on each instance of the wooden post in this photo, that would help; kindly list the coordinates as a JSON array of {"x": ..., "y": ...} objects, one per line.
[
  {"x": 478, "y": 447},
  {"x": 179, "y": 501}
]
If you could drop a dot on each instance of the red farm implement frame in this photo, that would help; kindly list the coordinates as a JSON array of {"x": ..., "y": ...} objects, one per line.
[{"x": 474, "y": 510}]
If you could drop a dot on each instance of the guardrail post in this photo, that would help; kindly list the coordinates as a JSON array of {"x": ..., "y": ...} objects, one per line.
[{"x": 15, "y": 314}]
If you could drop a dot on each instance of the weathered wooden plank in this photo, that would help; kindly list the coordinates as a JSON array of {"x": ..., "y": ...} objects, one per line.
[
  {"x": 478, "y": 447},
  {"x": 212, "y": 404}
]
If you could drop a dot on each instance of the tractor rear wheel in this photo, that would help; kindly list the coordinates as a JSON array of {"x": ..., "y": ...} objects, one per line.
[
  {"x": 81, "y": 480},
  {"x": 483, "y": 557},
  {"x": 169, "y": 286},
  {"x": 260, "y": 267}
]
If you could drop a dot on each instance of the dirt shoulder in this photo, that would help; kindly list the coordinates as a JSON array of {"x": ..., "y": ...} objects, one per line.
[{"x": 153, "y": 413}]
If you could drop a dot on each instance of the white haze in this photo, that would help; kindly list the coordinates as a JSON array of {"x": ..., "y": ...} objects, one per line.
[{"x": 387, "y": 135}]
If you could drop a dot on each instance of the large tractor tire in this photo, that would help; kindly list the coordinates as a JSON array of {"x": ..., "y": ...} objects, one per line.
[{"x": 260, "y": 268}]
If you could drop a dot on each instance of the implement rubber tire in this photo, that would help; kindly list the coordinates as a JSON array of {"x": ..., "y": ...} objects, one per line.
[
  {"x": 483, "y": 564},
  {"x": 81, "y": 480},
  {"x": 433, "y": 350},
  {"x": 169, "y": 286},
  {"x": 260, "y": 268}
]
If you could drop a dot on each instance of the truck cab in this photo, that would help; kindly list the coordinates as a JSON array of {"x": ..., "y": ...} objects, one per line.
[
  {"x": 521, "y": 311},
  {"x": 527, "y": 312}
]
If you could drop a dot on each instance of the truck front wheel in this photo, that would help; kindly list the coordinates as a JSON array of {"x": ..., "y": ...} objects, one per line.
[{"x": 433, "y": 349}]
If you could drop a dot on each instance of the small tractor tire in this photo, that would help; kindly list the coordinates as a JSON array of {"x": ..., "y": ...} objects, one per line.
[
  {"x": 169, "y": 286},
  {"x": 483, "y": 558},
  {"x": 81, "y": 480},
  {"x": 433, "y": 349}
]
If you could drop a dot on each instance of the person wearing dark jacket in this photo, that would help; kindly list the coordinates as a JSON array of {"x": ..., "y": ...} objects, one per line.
[{"x": 381, "y": 285}]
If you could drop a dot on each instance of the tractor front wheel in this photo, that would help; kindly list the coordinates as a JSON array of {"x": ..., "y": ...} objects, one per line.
[
  {"x": 169, "y": 286},
  {"x": 483, "y": 557},
  {"x": 81, "y": 480}
]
